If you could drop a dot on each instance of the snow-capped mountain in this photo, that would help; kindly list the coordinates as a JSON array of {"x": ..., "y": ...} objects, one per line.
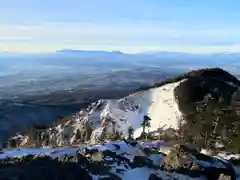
[{"x": 165, "y": 103}]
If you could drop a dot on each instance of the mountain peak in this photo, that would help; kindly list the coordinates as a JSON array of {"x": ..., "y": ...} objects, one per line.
[
  {"x": 166, "y": 104},
  {"x": 211, "y": 73}
]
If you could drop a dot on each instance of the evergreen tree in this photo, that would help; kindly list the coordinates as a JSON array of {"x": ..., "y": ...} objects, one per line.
[
  {"x": 130, "y": 132},
  {"x": 145, "y": 123},
  {"x": 215, "y": 121}
]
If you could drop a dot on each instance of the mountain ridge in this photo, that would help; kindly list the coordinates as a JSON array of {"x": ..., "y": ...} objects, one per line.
[
  {"x": 199, "y": 72},
  {"x": 104, "y": 118}
]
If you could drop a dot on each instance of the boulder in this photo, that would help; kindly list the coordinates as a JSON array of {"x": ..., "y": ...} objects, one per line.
[
  {"x": 141, "y": 161},
  {"x": 115, "y": 156},
  {"x": 224, "y": 177},
  {"x": 97, "y": 157},
  {"x": 154, "y": 177}
]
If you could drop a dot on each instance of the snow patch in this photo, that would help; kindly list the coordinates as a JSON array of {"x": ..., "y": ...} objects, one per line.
[{"x": 157, "y": 103}]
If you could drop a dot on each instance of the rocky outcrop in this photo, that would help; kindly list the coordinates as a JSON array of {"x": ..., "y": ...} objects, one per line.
[
  {"x": 116, "y": 161},
  {"x": 42, "y": 168},
  {"x": 188, "y": 161},
  {"x": 224, "y": 177}
]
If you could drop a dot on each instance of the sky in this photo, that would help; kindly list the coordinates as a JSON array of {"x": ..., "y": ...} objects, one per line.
[{"x": 123, "y": 25}]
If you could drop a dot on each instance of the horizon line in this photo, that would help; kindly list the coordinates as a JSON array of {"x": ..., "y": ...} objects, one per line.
[{"x": 66, "y": 50}]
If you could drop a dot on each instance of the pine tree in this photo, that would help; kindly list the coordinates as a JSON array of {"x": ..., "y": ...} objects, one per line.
[
  {"x": 145, "y": 123},
  {"x": 213, "y": 123},
  {"x": 209, "y": 121},
  {"x": 130, "y": 132}
]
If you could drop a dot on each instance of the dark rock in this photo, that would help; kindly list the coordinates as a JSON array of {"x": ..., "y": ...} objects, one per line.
[
  {"x": 235, "y": 162},
  {"x": 147, "y": 150},
  {"x": 130, "y": 142},
  {"x": 108, "y": 153},
  {"x": 110, "y": 176},
  {"x": 116, "y": 146},
  {"x": 41, "y": 168},
  {"x": 140, "y": 161},
  {"x": 86, "y": 151},
  {"x": 133, "y": 143},
  {"x": 154, "y": 177}
]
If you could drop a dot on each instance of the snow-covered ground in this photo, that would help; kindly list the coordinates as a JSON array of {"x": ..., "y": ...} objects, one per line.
[
  {"x": 58, "y": 151},
  {"x": 157, "y": 103},
  {"x": 125, "y": 150},
  {"x": 142, "y": 173},
  {"x": 51, "y": 151}
]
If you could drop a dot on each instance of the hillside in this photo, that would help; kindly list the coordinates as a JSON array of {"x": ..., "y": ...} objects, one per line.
[{"x": 169, "y": 105}]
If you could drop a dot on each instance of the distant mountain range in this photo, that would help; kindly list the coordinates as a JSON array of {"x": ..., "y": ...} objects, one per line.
[
  {"x": 88, "y": 52},
  {"x": 227, "y": 60},
  {"x": 148, "y": 52}
]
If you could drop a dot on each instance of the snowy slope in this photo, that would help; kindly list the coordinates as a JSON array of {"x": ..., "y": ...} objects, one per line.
[
  {"x": 158, "y": 103},
  {"x": 108, "y": 117}
]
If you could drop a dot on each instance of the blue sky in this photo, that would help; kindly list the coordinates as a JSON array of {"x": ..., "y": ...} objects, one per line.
[{"x": 125, "y": 25}]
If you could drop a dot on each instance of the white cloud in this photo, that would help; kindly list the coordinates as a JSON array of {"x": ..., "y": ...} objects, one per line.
[
  {"x": 127, "y": 37},
  {"x": 86, "y": 32},
  {"x": 16, "y": 38},
  {"x": 51, "y": 47}
]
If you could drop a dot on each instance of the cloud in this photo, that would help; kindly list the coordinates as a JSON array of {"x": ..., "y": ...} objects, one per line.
[
  {"x": 15, "y": 38},
  {"x": 125, "y": 36}
]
